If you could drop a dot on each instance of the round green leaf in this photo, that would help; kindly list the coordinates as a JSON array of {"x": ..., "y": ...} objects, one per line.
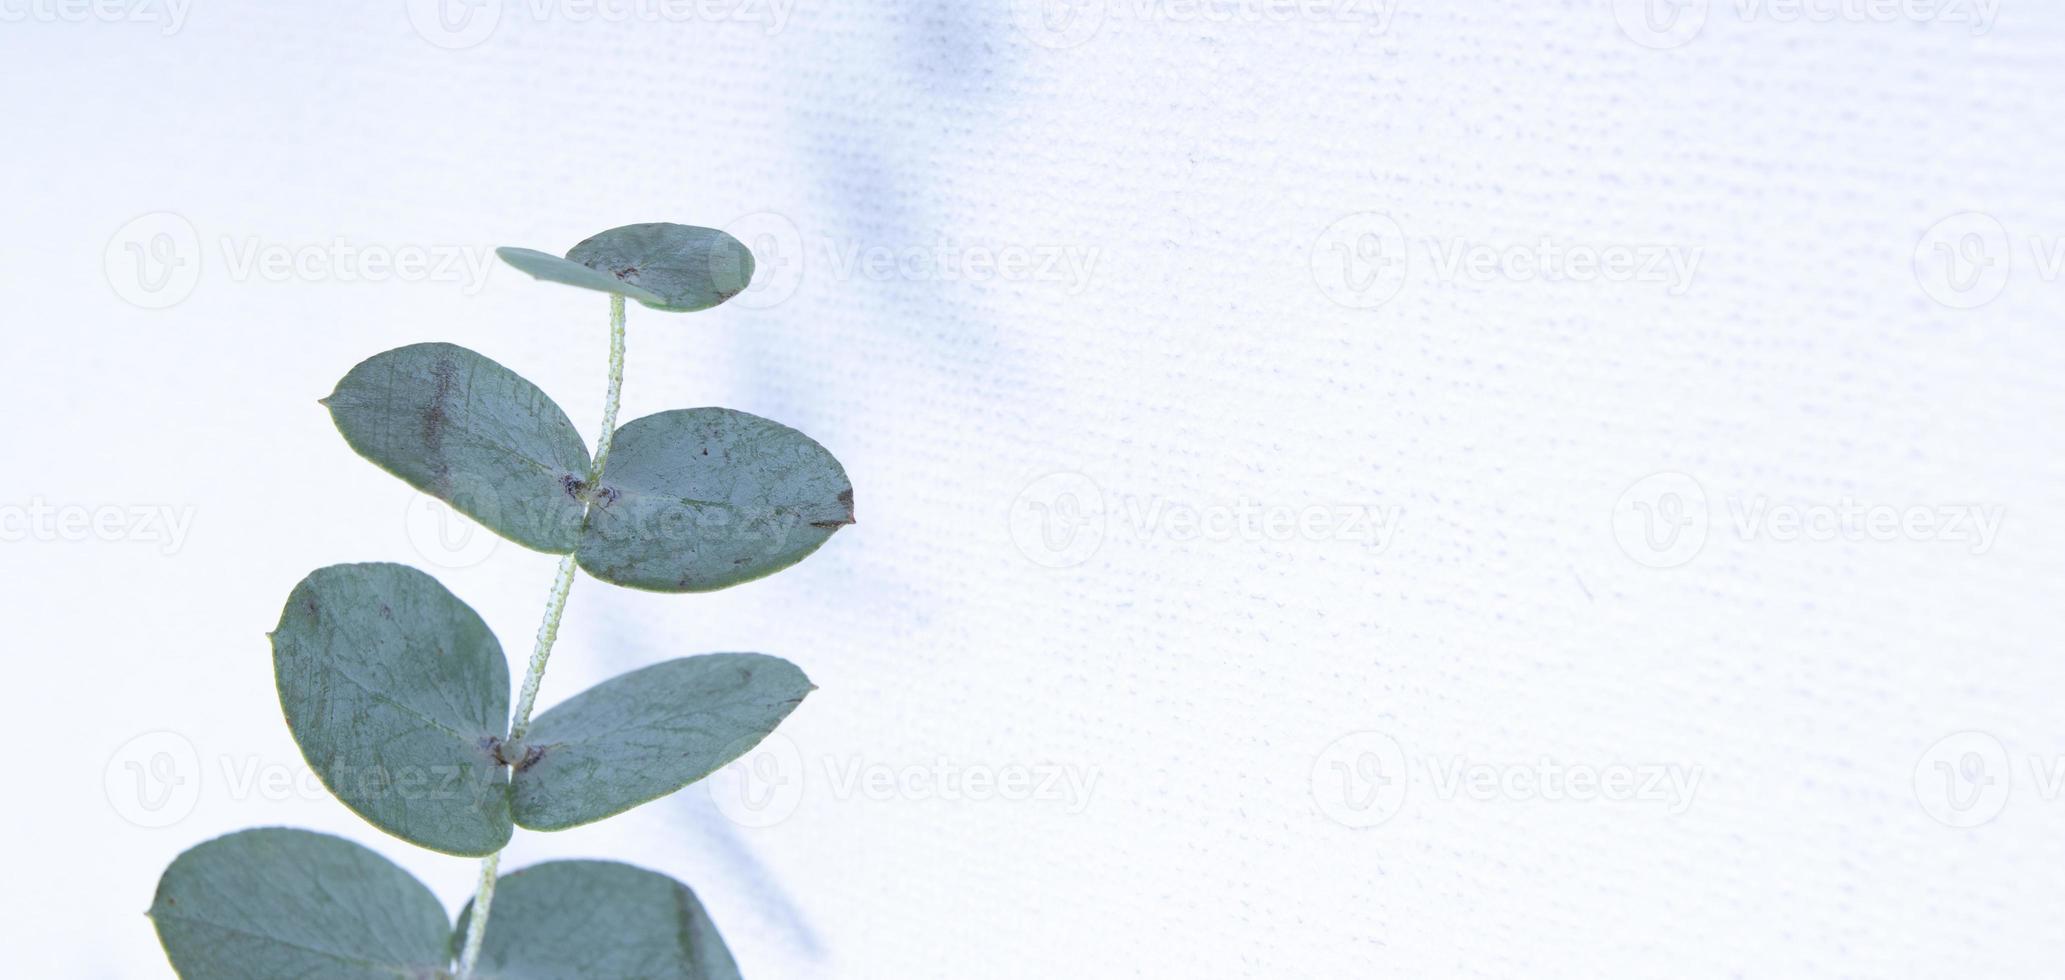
[
  {"x": 703, "y": 498},
  {"x": 642, "y": 735},
  {"x": 398, "y": 694},
  {"x": 471, "y": 432},
  {"x": 689, "y": 268},
  {"x": 581, "y": 920},
  {"x": 552, "y": 268},
  {"x": 266, "y": 904}
]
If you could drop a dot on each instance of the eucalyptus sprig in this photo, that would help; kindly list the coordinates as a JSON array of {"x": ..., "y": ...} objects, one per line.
[{"x": 398, "y": 694}]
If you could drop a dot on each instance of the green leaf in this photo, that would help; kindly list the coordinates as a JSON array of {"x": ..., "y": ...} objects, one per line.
[
  {"x": 398, "y": 694},
  {"x": 689, "y": 268},
  {"x": 471, "y": 432},
  {"x": 266, "y": 904},
  {"x": 703, "y": 498},
  {"x": 642, "y": 735},
  {"x": 552, "y": 268},
  {"x": 578, "y": 920}
]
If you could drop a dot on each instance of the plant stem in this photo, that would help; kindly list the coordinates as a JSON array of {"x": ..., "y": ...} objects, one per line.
[
  {"x": 548, "y": 630},
  {"x": 477, "y": 928}
]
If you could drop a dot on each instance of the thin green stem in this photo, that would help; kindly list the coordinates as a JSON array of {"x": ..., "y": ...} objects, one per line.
[
  {"x": 548, "y": 630},
  {"x": 477, "y": 929}
]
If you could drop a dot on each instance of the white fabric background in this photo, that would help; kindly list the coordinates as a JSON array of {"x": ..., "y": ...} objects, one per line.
[{"x": 1199, "y": 680}]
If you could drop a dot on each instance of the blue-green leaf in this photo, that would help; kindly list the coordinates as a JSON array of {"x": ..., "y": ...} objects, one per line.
[
  {"x": 471, "y": 432},
  {"x": 398, "y": 695},
  {"x": 266, "y": 904},
  {"x": 687, "y": 267},
  {"x": 703, "y": 498},
  {"x": 642, "y": 735},
  {"x": 586, "y": 920},
  {"x": 552, "y": 268}
]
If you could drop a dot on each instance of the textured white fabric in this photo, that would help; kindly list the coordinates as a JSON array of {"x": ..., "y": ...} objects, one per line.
[{"x": 1214, "y": 324}]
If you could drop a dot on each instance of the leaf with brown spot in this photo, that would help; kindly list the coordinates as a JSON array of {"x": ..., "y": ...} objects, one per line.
[
  {"x": 566, "y": 272},
  {"x": 665, "y": 266},
  {"x": 700, "y": 499},
  {"x": 472, "y": 433}
]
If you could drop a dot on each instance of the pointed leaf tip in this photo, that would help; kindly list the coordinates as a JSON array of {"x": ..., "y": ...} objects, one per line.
[
  {"x": 642, "y": 735},
  {"x": 706, "y": 498}
]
